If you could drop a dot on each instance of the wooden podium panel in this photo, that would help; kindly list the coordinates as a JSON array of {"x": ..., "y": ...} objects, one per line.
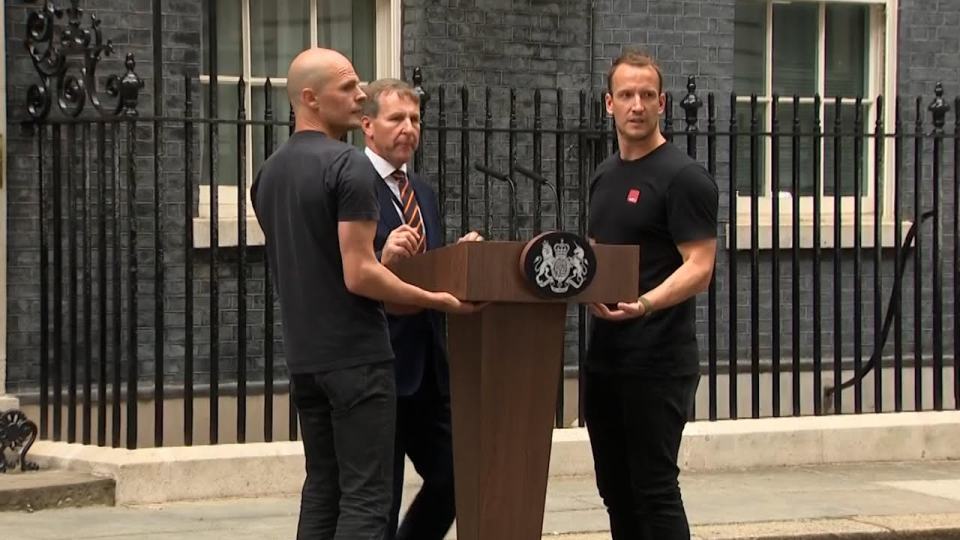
[
  {"x": 504, "y": 374},
  {"x": 505, "y": 368}
]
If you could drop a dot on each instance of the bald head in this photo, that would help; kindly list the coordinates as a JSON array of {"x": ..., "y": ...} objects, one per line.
[
  {"x": 324, "y": 91},
  {"x": 311, "y": 69}
]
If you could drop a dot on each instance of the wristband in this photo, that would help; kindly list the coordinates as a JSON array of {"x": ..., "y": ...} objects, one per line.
[{"x": 647, "y": 305}]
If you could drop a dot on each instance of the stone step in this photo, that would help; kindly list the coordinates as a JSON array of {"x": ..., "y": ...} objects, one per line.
[{"x": 38, "y": 490}]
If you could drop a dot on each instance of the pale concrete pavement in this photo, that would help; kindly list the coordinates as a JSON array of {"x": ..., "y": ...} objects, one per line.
[{"x": 877, "y": 500}]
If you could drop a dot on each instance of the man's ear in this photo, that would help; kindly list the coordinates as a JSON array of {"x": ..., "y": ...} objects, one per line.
[
  {"x": 308, "y": 98},
  {"x": 366, "y": 125}
]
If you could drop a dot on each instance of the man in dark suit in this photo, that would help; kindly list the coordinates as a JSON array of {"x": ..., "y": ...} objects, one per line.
[{"x": 410, "y": 224}]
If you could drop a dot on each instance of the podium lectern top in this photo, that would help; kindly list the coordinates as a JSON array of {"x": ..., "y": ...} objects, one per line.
[{"x": 490, "y": 272}]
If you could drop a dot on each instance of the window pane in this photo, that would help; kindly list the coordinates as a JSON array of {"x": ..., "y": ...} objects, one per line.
[
  {"x": 279, "y": 29},
  {"x": 749, "y": 47},
  {"x": 351, "y": 28},
  {"x": 795, "y": 31},
  {"x": 229, "y": 40},
  {"x": 847, "y": 43},
  {"x": 226, "y": 143},
  {"x": 743, "y": 149},
  {"x": 804, "y": 128},
  {"x": 847, "y": 155},
  {"x": 280, "y": 106}
]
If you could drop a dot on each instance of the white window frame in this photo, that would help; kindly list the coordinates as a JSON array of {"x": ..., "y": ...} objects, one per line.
[
  {"x": 388, "y": 24},
  {"x": 881, "y": 80}
]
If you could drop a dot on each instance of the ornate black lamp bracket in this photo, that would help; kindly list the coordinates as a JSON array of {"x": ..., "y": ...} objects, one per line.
[{"x": 17, "y": 434}]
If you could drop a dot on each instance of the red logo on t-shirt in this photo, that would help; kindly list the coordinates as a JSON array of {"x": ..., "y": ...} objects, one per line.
[{"x": 633, "y": 196}]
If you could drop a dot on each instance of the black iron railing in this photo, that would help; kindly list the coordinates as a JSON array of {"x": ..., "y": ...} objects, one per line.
[{"x": 133, "y": 314}]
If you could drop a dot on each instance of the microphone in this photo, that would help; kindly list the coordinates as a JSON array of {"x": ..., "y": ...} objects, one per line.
[
  {"x": 541, "y": 181},
  {"x": 494, "y": 173},
  {"x": 513, "y": 194}
]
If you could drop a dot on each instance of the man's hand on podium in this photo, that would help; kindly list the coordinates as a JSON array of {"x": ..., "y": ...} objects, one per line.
[
  {"x": 472, "y": 236},
  {"x": 454, "y": 305},
  {"x": 449, "y": 303},
  {"x": 624, "y": 311},
  {"x": 401, "y": 243},
  {"x": 445, "y": 302}
]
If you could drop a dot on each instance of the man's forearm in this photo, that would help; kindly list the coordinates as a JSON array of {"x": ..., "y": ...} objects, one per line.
[
  {"x": 689, "y": 280},
  {"x": 377, "y": 282}
]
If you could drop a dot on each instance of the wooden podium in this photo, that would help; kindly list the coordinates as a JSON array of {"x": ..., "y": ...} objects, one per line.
[{"x": 505, "y": 364}]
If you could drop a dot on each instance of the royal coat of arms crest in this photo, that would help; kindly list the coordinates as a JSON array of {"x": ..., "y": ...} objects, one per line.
[
  {"x": 559, "y": 269},
  {"x": 559, "y": 264}
]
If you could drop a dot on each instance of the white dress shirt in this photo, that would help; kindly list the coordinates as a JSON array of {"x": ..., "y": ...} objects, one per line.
[{"x": 385, "y": 170}]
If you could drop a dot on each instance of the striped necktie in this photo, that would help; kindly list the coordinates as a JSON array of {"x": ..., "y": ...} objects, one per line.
[{"x": 410, "y": 208}]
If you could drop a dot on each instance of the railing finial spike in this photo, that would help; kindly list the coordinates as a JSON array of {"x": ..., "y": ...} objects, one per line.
[{"x": 939, "y": 107}]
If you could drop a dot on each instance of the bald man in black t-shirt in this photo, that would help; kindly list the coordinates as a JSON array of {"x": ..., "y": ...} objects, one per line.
[
  {"x": 316, "y": 201},
  {"x": 642, "y": 365}
]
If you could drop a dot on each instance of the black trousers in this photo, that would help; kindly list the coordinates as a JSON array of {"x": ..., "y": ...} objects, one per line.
[
  {"x": 635, "y": 425},
  {"x": 347, "y": 417},
  {"x": 424, "y": 434}
]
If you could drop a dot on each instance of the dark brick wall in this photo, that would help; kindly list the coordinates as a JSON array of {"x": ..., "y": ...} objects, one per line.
[
  {"x": 686, "y": 37},
  {"x": 129, "y": 24},
  {"x": 501, "y": 44},
  {"x": 520, "y": 43},
  {"x": 928, "y": 48},
  {"x": 528, "y": 45},
  {"x": 928, "y": 53},
  {"x": 23, "y": 239}
]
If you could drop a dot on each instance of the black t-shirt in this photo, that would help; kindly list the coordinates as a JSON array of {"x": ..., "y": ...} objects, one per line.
[
  {"x": 658, "y": 201},
  {"x": 309, "y": 185}
]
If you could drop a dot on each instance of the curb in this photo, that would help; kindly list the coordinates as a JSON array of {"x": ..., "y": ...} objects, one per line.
[
  {"x": 29, "y": 492},
  {"x": 156, "y": 475},
  {"x": 913, "y": 526},
  {"x": 910, "y": 526}
]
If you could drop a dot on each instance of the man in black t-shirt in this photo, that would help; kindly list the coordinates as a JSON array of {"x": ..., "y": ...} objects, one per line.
[
  {"x": 642, "y": 365},
  {"x": 316, "y": 201}
]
